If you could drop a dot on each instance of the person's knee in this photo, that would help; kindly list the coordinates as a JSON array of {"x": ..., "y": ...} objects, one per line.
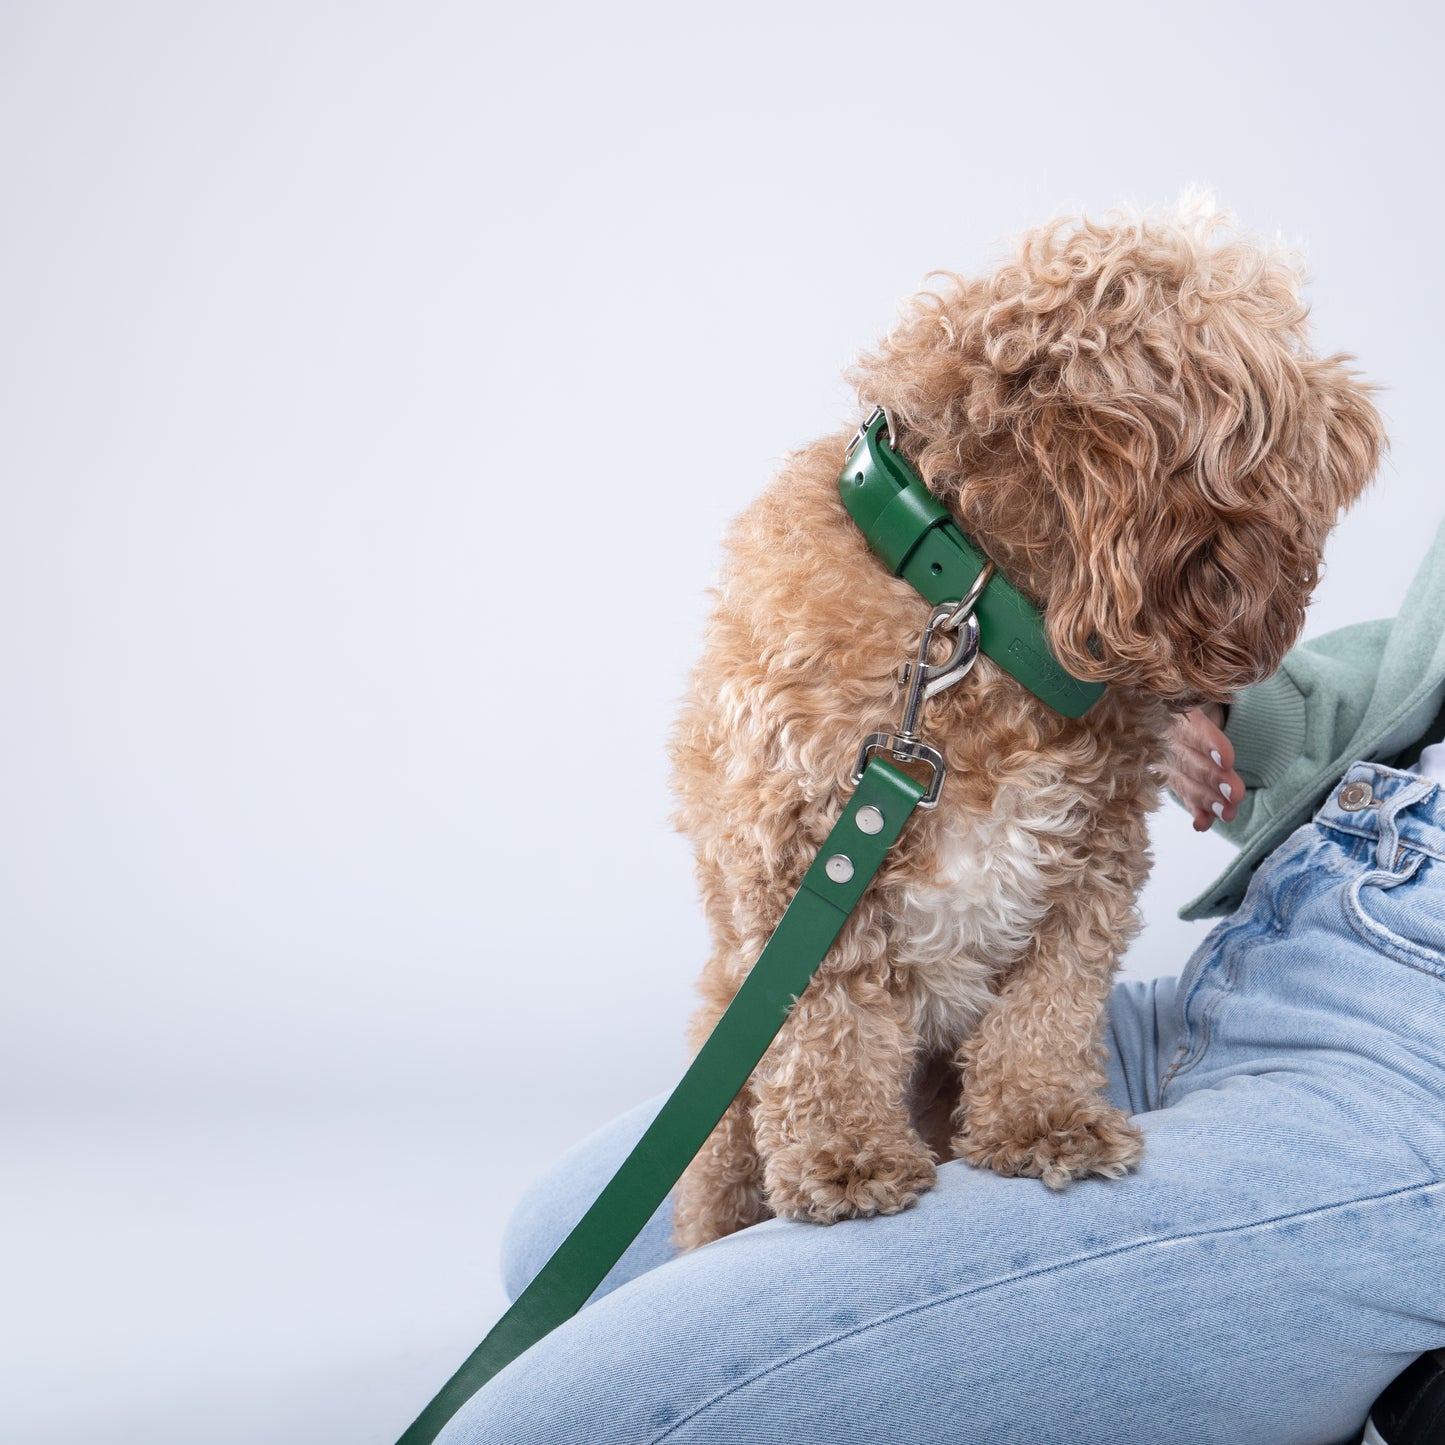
[
  {"x": 540, "y": 1222},
  {"x": 551, "y": 1207}
]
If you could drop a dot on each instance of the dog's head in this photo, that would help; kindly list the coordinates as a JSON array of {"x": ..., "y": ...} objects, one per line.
[{"x": 1129, "y": 419}]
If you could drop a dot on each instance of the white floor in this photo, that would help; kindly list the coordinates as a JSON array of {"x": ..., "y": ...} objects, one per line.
[{"x": 248, "y": 1278}]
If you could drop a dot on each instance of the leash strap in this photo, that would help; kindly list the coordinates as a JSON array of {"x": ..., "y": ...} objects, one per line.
[
  {"x": 916, "y": 538},
  {"x": 850, "y": 856}
]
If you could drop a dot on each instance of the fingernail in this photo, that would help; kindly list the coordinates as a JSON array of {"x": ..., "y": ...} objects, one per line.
[
  {"x": 1227, "y": 791},
  {"x": 1217, "y": 809},
  {"x": 1218, "y": 761}
]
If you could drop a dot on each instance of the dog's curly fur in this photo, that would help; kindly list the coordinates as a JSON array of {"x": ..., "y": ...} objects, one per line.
[{"x": 1128, "y": 419}]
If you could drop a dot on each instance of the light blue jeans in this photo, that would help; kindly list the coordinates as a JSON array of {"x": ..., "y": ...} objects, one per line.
[{"x": 1278, "y": 1257}]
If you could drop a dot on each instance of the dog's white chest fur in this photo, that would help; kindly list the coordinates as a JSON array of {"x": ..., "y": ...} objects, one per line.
[{"x": 976, "y": 917}]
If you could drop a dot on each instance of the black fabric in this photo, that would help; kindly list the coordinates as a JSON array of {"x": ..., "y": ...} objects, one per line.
[{"x": 1412, "y": 1409}]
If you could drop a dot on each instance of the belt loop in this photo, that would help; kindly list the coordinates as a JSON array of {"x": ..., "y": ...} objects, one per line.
[{"x": 1389, "y": 844}]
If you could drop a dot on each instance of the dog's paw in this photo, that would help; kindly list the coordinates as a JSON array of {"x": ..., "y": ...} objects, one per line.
[
  {"x": 838, "y": 1181},
  {"x": 718, "y": 1194},
  {"x": 696, "y": 1222},
  {"x": 1056, "y": 1141}
]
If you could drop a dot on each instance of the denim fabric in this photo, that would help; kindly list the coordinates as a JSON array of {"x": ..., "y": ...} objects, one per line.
[{"x": 1277, "y": 1259}]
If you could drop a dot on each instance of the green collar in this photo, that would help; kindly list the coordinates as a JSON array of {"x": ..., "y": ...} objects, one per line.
[{"x": 917, "y": 539}]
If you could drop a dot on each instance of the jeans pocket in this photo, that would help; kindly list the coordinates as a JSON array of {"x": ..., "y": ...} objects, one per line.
[{"x": 1401, "y": 911}]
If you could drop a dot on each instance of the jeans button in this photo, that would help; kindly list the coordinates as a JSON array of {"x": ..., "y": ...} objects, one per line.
[{"x": 1354, "y": 796}]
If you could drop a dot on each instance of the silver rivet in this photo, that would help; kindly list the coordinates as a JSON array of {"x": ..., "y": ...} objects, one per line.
[
  {"x": 839, "y": 867},
  {"x": 1354, "y": 796},
  {"x": 869, "y": 820}
]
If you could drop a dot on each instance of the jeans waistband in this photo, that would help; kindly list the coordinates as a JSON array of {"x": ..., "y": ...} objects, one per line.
[{"x": 1373, "y": 801}]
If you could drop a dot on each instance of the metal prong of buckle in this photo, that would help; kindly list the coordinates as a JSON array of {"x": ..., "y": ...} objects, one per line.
[
  {"x": 904, "y": 750},
  {"x": 863, "y": 431}
]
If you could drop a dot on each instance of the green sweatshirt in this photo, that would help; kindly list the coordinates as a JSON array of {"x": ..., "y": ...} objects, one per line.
[{"x": 1371, "y": 692}]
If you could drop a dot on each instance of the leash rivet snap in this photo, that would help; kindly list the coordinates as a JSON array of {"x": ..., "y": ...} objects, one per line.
[
  {"x": 839, "y": 867},
  {"x": 869, "y": 820},
  {"x": 1354, "y": 796}
]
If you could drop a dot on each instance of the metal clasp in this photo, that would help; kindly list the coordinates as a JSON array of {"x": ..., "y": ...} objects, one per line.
[
  {"x": 863, "y": 431},
  {"x": 925, "y": 680}
]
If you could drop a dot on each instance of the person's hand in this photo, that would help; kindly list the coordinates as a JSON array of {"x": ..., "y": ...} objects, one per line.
[{"x": 1200, "y": 767}]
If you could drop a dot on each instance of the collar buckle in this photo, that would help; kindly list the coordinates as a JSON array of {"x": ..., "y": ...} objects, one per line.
[{"x": 867, "y": 425}]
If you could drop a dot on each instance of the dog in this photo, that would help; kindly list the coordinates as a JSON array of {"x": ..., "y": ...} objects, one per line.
[{"x": 1127, "y": 418}]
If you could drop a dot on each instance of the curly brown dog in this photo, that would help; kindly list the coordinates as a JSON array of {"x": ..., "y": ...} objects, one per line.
[{"x": 1128, "y": 420}]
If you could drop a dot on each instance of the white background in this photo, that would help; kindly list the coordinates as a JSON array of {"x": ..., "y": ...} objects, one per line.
[{"x": 376, "y": 382}]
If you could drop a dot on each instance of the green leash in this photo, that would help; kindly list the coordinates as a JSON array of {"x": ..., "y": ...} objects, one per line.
[
  {"x": 851, "y": 855},
  {"x": 919, "y": 541}
]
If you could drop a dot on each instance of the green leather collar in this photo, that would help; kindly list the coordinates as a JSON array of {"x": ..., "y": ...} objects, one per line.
[{"x": 917, "y": 539}]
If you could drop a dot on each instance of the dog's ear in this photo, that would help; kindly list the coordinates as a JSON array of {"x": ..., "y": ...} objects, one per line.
[
  {"x": 1195, "y": 521},
  {"x": 1349, "y": 435},
  {"x": 1129, "y": 417}
]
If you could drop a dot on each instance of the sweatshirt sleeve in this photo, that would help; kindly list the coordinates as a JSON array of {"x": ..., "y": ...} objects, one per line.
[{"x": 1302, "y": 717}]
